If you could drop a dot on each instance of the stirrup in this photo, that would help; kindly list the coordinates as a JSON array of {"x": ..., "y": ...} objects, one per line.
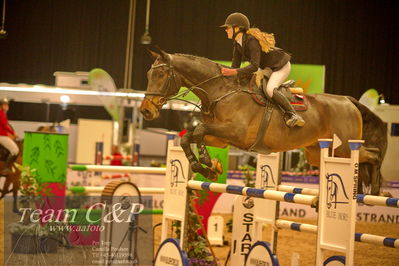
[{"x": 295, "y": 120}]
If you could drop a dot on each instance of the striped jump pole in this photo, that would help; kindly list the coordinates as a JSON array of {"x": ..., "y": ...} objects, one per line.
[
  {"x": 253, "y": 192},
  {"x": 119, "y": 169},
  {"x": 359, "y": 237},
  {"x": 99, "y": 190},
  {"x": 360, "y": 198}
]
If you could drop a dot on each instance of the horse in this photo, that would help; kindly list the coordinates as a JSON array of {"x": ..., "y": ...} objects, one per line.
[
  {"x": 13, "y": 178},
  {"x": 229, "y": 116}
]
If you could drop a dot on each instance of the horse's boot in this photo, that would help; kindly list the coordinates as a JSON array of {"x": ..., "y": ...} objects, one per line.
[
  {"x": 294, "y": 119},
  {"x": 8, "y": 164}
]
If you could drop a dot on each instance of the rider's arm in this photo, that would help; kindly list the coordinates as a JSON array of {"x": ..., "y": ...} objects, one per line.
[
  {"x": 237, "y": 57},
  {"x": 254, "y": 61}
]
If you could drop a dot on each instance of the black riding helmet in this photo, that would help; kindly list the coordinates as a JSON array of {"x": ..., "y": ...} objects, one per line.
[{"x": 237, "y": 20}]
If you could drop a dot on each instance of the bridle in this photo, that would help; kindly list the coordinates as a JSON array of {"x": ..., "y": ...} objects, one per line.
[
  {"x": 163, "y": 93},
  {"x": 171, "y": 85}
]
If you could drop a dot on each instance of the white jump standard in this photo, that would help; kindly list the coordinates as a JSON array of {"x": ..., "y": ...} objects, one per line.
[{"x": 336, "y": 208}]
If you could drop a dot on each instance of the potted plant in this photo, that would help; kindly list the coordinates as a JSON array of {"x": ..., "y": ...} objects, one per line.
[{"x": 29, "y": 236}]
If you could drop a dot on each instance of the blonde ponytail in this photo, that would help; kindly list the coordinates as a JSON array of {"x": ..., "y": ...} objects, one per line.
[{"x": 266, "y": 40}]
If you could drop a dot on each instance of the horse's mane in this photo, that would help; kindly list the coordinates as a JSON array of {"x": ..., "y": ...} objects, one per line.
[
  {"x": 202, "y": 60},
  {"x": 210, "y": 66}
]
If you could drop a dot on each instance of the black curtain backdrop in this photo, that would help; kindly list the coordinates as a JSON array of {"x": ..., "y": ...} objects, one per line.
[
  {"x": 357, "y": 41},
  {"x": 45, "y": 36}
]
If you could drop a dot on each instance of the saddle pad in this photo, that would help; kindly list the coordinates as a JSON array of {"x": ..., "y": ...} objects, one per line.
[{"x": 298, "y": 101}]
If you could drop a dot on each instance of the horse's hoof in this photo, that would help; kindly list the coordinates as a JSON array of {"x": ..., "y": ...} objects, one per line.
[
  {"x": 217, "y": 166},
  {"x": 385, "y": 194},
  {"x": 212, "y": 176},
  {"x": 196, "y": 167}
]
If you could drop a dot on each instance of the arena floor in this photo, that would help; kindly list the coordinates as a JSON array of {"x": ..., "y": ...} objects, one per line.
[{"x": 289, "y": 242}]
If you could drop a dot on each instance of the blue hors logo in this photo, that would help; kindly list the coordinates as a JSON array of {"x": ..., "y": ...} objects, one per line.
[
  {"x": 176, "y": 172},
  {"x": 266, "y": 177},
  {"x": 336, "y": 193}
]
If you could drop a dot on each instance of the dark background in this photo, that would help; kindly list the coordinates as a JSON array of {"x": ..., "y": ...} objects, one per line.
[{"x": 357, "y": 41}]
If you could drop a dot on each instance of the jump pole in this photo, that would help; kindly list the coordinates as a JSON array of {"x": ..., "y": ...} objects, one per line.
[
  {"x": 118, "y": 169},
  {"x": 359, "y": 237},
  {"x": 99, "y": 190},
  {"x": 360, "y": 198}
]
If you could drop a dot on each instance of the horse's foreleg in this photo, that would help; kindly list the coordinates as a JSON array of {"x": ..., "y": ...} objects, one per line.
[
  {"x": 195, "y": 165},
  {"x": 198, "y": 137}
]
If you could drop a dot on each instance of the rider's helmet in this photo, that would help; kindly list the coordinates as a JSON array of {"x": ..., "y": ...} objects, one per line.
[
  {"x": 4, "y": 101},
  {"x": 237, "y": 19}
]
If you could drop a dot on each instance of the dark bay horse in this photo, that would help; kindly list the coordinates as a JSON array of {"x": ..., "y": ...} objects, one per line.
[
  {"x": 231, "y": 117},
  {"x": 13, "y": 177}
]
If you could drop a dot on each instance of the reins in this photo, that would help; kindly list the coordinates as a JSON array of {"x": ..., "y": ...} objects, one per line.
[{"x": 206, "y": 105}]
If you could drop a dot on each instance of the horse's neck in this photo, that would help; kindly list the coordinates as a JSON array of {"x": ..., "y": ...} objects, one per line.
[
  {"x": 205, "y": 81},
  {"x": 194, "y": 69}
]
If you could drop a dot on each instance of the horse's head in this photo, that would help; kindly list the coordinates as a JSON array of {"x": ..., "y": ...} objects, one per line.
[{"x": 163, "y": 83}]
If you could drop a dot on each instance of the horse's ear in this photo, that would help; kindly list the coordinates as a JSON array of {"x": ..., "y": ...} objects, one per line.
[
  {"x": 165, "y": 56},
  {"x": 156, "y": 52},
  {"x": 153, "y": 53}
]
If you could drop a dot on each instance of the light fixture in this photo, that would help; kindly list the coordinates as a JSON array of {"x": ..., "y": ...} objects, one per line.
[
  {"x": 3, "y": 32},
  {"x": 65, "y": 99},
  {"x": 146, "y": 38},
  {"x": 382, "y": 99}
]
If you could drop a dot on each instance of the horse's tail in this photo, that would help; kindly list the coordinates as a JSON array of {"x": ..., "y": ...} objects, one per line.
[{"x": 375, "y": 136}]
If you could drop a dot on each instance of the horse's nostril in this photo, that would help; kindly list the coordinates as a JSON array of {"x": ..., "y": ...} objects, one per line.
[{"x": 145, "y": 112}]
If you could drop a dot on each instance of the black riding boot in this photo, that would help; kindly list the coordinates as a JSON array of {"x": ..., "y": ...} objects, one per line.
[
  {"x": 294, "y": 119},
  {"x": 8, "y": 164}
]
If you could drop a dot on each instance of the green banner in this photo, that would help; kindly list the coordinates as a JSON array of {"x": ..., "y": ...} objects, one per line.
[
  {"x": 48, "y": 154},
  {"x": 308, "y": 77}
]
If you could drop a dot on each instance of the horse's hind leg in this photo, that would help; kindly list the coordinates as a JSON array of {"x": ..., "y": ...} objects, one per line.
[
  {"x": 312, "y": 155},
  {"x": 370, "y": 169}
]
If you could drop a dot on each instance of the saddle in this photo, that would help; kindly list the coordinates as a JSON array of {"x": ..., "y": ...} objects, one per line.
[
  {"x": 288, "y": 89},
  {"x": 293, "y": 94}
]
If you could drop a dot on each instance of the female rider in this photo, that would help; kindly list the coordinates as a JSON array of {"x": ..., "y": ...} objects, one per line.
[{"x": 258, "y": 47}]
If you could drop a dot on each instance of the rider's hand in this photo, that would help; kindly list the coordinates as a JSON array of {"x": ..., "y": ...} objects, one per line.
[{"x": 229, "y": 71}]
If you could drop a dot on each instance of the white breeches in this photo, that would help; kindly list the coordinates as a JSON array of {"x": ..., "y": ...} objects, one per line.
[
  {"x": 9, "y": 144},
  {"x": 277, "y": 78}
]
